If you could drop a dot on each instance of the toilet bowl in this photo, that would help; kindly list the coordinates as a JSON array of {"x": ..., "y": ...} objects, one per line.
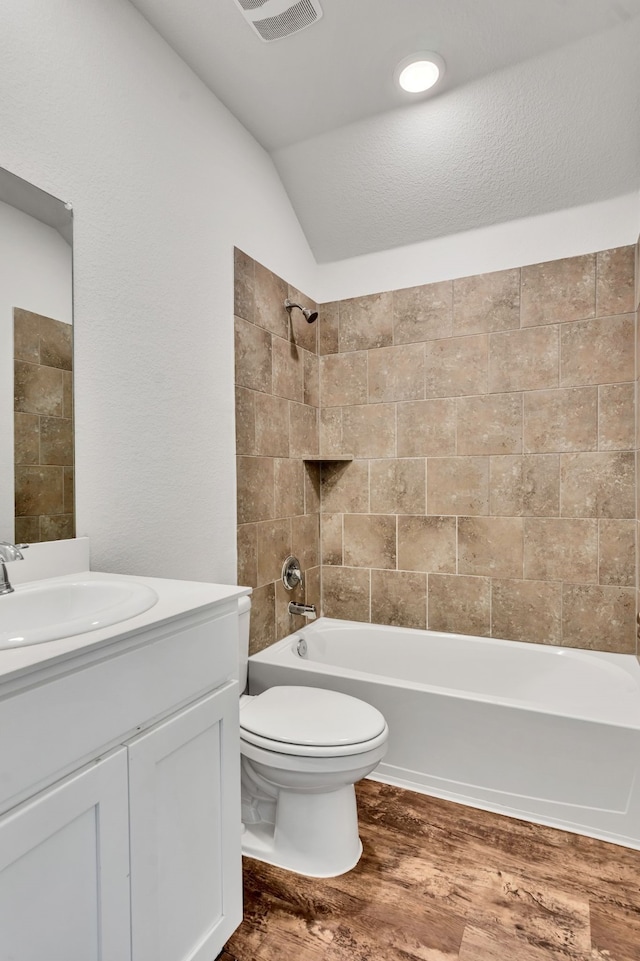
[{"x": 302, "y": 750}]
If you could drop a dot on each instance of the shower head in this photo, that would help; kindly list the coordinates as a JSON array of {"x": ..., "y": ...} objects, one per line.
[{"x": 309, "y": 315}]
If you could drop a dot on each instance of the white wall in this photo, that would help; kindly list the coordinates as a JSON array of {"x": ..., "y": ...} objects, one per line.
[
  {"x": 565, "y": 233},
  {"x": 96, "y": 109},
  {"x": 35, "y": 274}
]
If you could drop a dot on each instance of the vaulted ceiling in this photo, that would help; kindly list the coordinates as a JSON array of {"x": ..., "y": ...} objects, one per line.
[{"x": 539, "y": 109}]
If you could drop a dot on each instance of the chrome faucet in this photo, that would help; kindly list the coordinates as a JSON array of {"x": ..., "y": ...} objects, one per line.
[
  {"x": 9, "y": 552},
  {"x": 306, "y": 610}
]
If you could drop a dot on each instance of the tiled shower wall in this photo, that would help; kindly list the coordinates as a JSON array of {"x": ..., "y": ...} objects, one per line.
[
  {"x": 491, "y": 423},
  {"x": 276, "y": 363},
  {"x": 43, "y": 432}
]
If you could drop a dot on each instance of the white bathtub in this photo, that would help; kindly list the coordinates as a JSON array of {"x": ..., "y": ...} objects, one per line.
[{"x": 548, "y": 734}]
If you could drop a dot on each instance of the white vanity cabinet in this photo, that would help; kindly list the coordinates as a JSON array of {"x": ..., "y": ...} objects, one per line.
[{"x": 119, "y": 798}]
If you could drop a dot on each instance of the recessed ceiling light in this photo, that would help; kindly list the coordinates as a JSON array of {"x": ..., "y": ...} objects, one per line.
[{"x": 419, "y": 72}]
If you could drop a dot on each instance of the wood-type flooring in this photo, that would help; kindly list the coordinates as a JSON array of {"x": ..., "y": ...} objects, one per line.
[{"x": 442, "y": 882}]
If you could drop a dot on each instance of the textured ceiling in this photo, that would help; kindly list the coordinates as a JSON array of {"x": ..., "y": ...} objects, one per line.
[{"x": 539, "y": 109}]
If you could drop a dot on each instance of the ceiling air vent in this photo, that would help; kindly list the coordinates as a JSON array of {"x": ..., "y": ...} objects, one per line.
[{"x": 275, "y": 19}]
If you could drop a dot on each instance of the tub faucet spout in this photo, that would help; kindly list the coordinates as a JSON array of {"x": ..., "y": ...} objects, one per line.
[{"x": 306, "y": 610}]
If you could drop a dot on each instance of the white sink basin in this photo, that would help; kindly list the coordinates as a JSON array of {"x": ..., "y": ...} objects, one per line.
[{"x": 46, "y": 612}]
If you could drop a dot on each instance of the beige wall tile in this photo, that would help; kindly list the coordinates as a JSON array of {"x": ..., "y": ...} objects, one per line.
[
  {"x": 328, "y": 328},
  {"x": 458, "y": 485},
  {"x": 490, "y": 546},
  {"x": 305, "y": 540},
  {"x": 270, "y": 293},
  {"x": 56, "y": 441},
  {"x": 67, "y": 394},
  {"x": 26, "y": 336},
  {"x": 398, "y": 486},
  {"x": 617, "y": 552},
  {"x": 69, "y": 487},
  {"x": 597, "y": 352},
  {"x": 524, "y": 359},
  {"x": 486, "y": 302},
  {"x": 459, "y": 604},
  {"x": 370, "y": 540},
  {"x": 490, "y": 425},
  {"x": 522, "y": 485},
  {"x": 526, "y": 611},
  {"x": 288, "y": 369},
  {"x": 399, "y": 598},
  {"x": 311, "y": 377},
  {"x": 26, "y": 439},
  {"x": 456, "y": 366},
  {"x": 38, "y": 390},
  {"x": 255, "y": 489},
  {"x": 248, "y": 555},
  {"x": 57, "y": 527},
  {"x": 303, "y": 430},
  {"x": 422, "y": 313},
  {"x": 598, "y": 618},
  {"x": 427, "y": 544},
  {"x": 558, "y": 291},
  {"x": 274, "y": 545},
  {"x": 39, "y": 490},
  {"x": 343, "y": 379},
  {"x": 330, "y": 420},
  {"x": 345, "y": 488},
  {"x": 313, "y": 587},
  {"x": 597, "y": 485},
  {"x": 427, "y": 427},
  {"x": 396, "y": 373},
  {"x": 27, "y": 530},
  {"x": 301, "y": 332},
  {"x": 561, "y": 420},
  {"x": 56, "y": 343},
  {"x": 288, "y": 487},
  {"x": 312, "y": 473},
  {"x": 366, "y": 322},
  {"x": 243, "y": 274},
  {"x": 253, "y": 356},
  {"x": 615, "y": 281},
  {"x": 263, "y": 618},
  {"x": 346, "y": 593},
  {"x": 331, "y": 539},
  {"x": 616, "y": 427},
  {"x": 245, "y": 421},
  {"x": 369, "y": 431},
  {"x": 561, "y": 548},
  {"x": 272, "y": 425}
]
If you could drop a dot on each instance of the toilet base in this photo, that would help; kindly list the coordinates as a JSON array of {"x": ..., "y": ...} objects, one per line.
[{"x": 314, "y": 834}]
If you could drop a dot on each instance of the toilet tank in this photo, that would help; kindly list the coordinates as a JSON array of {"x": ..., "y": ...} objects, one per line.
[{"x": 244, "y": 617}]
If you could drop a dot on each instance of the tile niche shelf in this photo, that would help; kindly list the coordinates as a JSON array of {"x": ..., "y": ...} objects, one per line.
[{"x": 327, "y": 458}]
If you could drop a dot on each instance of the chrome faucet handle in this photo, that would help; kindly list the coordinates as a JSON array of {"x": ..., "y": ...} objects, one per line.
[{"x": 291, "y": 573}]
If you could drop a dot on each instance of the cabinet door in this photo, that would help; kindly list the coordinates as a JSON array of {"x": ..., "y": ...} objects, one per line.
[
  {"x": 64, "y": 865},
  {"x": 184, "y": 784}
]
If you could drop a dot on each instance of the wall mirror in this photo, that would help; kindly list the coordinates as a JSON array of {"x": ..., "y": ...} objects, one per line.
[{"x": 36, "y": 364}]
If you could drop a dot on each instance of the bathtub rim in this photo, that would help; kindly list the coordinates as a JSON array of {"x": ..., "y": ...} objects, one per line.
[{"x": 609, "y": 661}]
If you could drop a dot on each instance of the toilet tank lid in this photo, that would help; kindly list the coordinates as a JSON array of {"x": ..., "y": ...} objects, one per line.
[
  {"x": 244, "y": 604},
  {"x": 311, "y": 716}
]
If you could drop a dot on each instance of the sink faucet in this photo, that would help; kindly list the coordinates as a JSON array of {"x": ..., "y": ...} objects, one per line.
[
  {"x": 9, "y": 552},
  {"x": 306, "y": 610}
]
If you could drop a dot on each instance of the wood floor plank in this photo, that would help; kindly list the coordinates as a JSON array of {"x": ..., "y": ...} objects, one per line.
[
  {"x": 615, "y": 932},
  {"x": 441, "y": 882}
]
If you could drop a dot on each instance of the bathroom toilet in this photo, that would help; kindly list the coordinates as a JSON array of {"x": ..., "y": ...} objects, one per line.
[{"x": 302, "y": 750}]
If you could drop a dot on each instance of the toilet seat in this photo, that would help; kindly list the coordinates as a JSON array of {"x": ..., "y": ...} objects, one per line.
[{"x": 311, "y": 722}]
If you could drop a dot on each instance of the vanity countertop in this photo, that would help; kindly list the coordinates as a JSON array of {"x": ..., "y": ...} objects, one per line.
[{"x": 175, "y": 598}]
